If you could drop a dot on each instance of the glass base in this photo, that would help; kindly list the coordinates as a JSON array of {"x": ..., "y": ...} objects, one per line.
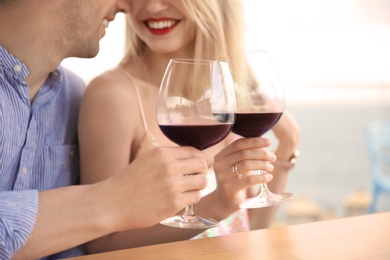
[
  {"x": 266, "y": 199},
  {"x": 189, "y": 222}
]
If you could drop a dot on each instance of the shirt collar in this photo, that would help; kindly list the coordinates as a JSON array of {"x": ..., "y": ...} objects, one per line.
[{"x": 12, "y": 65}]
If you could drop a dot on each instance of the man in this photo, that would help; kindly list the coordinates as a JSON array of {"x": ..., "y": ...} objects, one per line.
[{"x": 42, "y": 211}]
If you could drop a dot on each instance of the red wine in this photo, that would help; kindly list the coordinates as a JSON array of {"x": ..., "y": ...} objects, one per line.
[
  {"x": 198, "y": 136},
  {"x": 254, "y": 124}
]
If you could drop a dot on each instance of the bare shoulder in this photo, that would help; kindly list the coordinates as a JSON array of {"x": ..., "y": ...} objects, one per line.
[
  {"x": 109, "y": 98},
  {"x": 111, "y": 84}
]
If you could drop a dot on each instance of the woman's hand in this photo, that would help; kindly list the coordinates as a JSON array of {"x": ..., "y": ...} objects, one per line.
[{"x": 246, "y": 154}]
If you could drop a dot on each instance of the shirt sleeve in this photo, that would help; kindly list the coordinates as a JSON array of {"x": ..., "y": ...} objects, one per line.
[{"x": 18, "y": 211}]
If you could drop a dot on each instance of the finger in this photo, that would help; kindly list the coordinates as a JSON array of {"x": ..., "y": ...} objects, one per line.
[
  {"x": 249, "y": 160},
  {"x": 252, "y": 154},
  {"x": 184, "y": 160},
  {"x": 247, "y": 154},
  {"x": 190, "y": 197},
  {"x": 237, "y": 184},
  {"x": 192, "y": 166},
  {"x": 193, "y": 182},
  {"x": 244, "y": 144},
  {"x": 183, "y": 152},
  {"x": 249, "y": 167},
  {"x": 251, "y": 180}
]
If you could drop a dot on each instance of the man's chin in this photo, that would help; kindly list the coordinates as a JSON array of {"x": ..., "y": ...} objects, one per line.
[{"x": 92, "y": 53}]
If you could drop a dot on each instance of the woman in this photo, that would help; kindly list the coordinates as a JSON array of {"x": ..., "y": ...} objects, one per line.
[{"x": 118, "y": 118}]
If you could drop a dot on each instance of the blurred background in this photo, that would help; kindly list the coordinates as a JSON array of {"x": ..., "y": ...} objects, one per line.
[{"x": 333, "y": 58}]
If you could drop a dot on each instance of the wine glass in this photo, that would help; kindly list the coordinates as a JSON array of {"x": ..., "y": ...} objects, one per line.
[
  {"x": 195, "y": 107},
  {"x": 260, "y": 104}
]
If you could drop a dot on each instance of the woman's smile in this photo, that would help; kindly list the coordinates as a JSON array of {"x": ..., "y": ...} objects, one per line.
[{"x": 160, "y": 26}]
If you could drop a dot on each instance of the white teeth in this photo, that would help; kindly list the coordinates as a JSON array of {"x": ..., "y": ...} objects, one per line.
[
  {"x": 106, "y": 23},
  {"x": 161, "y": 24}
]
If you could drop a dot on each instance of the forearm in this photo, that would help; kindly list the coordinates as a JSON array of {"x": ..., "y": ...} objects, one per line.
[
  {"x": 17, "y": 216},
  {"x": 157, "y": 234},
  {"x": 66, "y": 217},
  {"x": 285, "y": 152}
]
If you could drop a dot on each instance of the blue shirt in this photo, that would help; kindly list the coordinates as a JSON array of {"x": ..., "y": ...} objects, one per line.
[{"x": 38, "y": 147}]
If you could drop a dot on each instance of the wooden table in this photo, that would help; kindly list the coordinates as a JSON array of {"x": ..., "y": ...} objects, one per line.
[{"x": 361, "y": 237}]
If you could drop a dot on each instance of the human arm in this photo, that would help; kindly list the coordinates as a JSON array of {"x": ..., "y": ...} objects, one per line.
[
  {"x": 73, "y": 215},
  {"x": 249, "y": 154},
  {"x": 288, "y": 133},
  {"x": 110, "y": 125},
  {"x": 17, "y": 216}
]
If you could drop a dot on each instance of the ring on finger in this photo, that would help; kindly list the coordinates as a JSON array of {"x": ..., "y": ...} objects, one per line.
[{"x": 235, "y": 170}]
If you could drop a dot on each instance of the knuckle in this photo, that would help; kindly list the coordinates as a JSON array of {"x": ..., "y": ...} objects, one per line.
[
  {"x": 205, "y": 167},
  {"x": 203, "y": 182},
  {"x": 166, "y": 168},
  {"x": 217, "y": 156},
  {"x": 244, "y": 166},
  {"x": 251, "y": 180},
  {"x": 160, "y": 152},
  {"x": 239, "y": 144},
  {"x": 197, "y": 197},
  {"x": 246, "y": 154},
  {"x": 259, "y": 142}
]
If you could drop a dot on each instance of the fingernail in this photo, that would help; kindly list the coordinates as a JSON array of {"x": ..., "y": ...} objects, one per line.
[{"x": 268, "y": 177}]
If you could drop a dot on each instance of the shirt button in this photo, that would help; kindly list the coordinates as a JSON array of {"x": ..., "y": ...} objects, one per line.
[
  {"x": 17, "y": 68},
  {"x": 24, "y": 170}
]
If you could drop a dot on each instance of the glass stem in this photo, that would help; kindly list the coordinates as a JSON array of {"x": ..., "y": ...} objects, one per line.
[
  {"x": 189, "y": 211},
  {"x": 263, "y": 186}
]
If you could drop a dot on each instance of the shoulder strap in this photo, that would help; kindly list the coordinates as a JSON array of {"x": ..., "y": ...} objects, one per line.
[{"x": 141, "y": 108}]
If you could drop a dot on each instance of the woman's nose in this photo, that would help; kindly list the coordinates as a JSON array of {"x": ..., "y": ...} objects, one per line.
[{"x": 156, "y": 6}]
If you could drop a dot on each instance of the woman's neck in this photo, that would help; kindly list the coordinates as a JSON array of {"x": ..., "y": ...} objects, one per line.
[{"x": 154, "y": 64}]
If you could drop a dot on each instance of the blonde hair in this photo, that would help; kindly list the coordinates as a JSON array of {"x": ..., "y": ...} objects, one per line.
[
  {"x": 219, "y": 33},
  {"x": 219, "y": 26}
]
